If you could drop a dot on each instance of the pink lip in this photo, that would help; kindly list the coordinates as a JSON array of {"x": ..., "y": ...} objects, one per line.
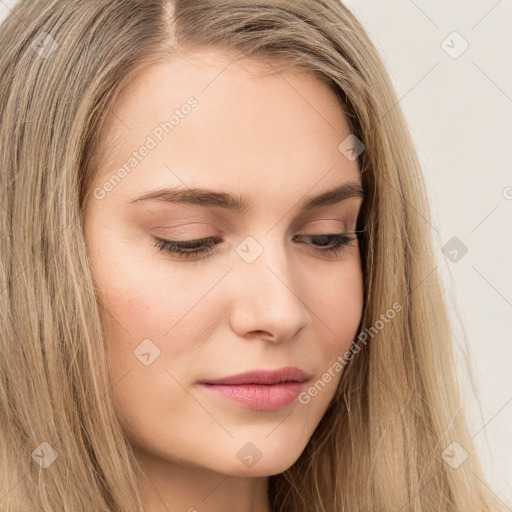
[{"x": 264, "y": 390}]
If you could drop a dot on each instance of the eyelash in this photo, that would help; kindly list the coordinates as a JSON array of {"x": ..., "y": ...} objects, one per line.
[{"x": 205, "y": 245}]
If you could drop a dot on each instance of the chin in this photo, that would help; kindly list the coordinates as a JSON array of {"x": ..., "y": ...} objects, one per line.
[{"x": 269, "y": 465}]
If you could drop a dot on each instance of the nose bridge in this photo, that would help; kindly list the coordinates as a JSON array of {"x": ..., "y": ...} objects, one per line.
[
  {"x": 265, "y": 263},
  {"x": 268, "y": 292}
]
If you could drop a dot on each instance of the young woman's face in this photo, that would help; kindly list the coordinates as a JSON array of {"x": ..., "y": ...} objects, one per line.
[{"x": 260, "y": 297}]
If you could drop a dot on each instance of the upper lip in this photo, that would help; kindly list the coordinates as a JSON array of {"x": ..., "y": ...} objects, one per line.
[{"x": 286, "y": 374}]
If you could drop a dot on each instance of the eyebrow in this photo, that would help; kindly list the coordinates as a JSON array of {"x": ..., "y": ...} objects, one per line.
[{"x": 239, "y": 204}]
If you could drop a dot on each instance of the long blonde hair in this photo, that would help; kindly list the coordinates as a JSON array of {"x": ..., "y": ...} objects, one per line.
[{"x": 379, "y": 446}]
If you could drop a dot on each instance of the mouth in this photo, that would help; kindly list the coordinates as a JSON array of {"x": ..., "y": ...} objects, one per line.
[{"x": 263, "y": 390}]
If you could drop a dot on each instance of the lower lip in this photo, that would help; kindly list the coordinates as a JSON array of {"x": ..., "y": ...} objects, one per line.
[{"x": 261, "y": 397}]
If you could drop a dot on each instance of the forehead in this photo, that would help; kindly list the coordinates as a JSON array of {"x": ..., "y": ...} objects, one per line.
[{"x": 252, "y": 125}]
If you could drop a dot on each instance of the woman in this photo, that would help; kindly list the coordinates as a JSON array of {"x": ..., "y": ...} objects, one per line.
[{"x": 217, "y": 285}]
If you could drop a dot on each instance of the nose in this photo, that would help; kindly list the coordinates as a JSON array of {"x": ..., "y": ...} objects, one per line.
[{"x": 267, "y": 299}]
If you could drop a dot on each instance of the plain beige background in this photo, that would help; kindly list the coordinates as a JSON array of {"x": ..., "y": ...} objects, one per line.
[{"x": 451, "y": 64}]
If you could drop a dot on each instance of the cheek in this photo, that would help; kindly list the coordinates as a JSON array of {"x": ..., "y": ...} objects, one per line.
[
  {"x": 156, "y": 302},
  {"x": 131, "y": 306},
  {"x": 136, "y": 292},
  {"x": 339, "y": 303},
  {"x": 340, "y": 308}
]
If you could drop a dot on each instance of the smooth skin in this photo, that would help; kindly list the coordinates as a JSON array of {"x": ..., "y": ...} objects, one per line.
[{"x": 273, "y": 139}]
